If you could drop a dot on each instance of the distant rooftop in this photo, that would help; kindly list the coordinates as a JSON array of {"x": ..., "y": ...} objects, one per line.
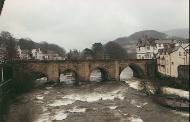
[
  {"x": 185, "y": 45},
  {"x": 146, "y": 42},
  {"x": 171, "y": 50},
  {"x": 166, "y": 41},
  {"x": 170, "y": 41}
]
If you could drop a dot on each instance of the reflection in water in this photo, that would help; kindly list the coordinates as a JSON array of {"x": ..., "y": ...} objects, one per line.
[
  {"x": 68, "y": 78},
  {"x": 126, "y": 74},
  {"x": 95, "y": 76}
]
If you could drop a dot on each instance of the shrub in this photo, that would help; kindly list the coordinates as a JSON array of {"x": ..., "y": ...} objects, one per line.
[{"x": 24, "y": 113}]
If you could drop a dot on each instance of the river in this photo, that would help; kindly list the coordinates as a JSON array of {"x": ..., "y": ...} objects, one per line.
[{"x": 92, "y": 102}]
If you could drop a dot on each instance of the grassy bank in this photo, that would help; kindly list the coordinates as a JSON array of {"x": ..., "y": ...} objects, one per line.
[
  {"x": 10, "y": 92},
  {"x": 167, "y": 81}
]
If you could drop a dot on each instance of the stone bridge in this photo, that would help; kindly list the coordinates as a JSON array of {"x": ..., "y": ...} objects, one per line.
[{"x": 110, "y": 69}]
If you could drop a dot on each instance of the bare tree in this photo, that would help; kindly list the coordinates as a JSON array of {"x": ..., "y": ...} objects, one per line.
[
  {"x": 73, "y": 55},
  {"x": 10, "y": 43}
]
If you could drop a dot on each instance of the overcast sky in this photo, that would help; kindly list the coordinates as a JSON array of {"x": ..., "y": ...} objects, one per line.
[{"x": 79, "y": 23}]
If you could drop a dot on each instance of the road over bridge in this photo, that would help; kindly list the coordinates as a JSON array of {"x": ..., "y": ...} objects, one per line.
[{"x": 110, "y": 69}]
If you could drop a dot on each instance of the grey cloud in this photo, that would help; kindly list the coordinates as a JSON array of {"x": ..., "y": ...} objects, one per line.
[{"x": 79, "y": 23}]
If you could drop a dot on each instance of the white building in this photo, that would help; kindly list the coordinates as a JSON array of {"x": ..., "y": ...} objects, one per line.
[
  {"x": 148, "y": 49},
  {"x": 145, "y": 49},
  {"x": 37, "y": 54},
  {"x": 51, "y": 55},
  {"x": 19, "y": 52},
  {"x": 2, "y": 52},
  {"x": 165, "y": 44}
]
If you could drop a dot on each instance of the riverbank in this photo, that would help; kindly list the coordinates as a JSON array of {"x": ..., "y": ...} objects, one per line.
[{"x": 176, "y": 99}]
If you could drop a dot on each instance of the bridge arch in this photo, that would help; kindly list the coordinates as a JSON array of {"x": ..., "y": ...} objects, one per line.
[
  {"x": 134, "y": 69},
  {"x": 33, "y": 70},
  {"x": 68, "y": 76},
  {"x": 38, "y": 74},
  {"x": 104, "y": 75},
  {"x": 40, "y": 78},
  {"x": 126, "y": 73}
]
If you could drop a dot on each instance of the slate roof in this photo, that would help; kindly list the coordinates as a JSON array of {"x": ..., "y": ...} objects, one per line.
[
  {"x": 168, "y": 50},
  {"x": 145, "y": 42},
  {"x": 185, "y": 45},
  {"x": 169, "y": 41},
  {"x": 165, "y": 41}
]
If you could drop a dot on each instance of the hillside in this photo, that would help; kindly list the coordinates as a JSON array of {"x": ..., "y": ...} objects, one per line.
[
  {"x": 44, "y": 46},
  {"x": 183, "y": 33},
  {"x": 8, "y": 39},
  {"x": 129, "y": 43},
  {"x": 137, "y": 35}
]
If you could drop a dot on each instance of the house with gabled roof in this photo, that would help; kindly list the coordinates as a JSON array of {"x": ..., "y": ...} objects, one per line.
[
  {"x": 145, "y": 49},
  {"x": 170, "y": 59}
]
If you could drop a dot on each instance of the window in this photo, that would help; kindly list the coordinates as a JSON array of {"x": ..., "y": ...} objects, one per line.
[
  {"x": 148, "y": 48},
  {"x": 159, "y": 45},
  {"x": 179, "y": 53},
  {"x": 184, "y": 53},
  {"x": 172, "y": 63},
  {"x": 146, "y": 56}
]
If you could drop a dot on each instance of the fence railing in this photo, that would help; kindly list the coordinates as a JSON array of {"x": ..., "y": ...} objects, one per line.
[
  {"x": 5, "y": 82},
  {"x": 5, "y": 87}
]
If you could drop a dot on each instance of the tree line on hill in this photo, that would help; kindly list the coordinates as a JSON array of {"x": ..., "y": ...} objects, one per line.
[
  {"x": 110, "y": 50},
  {"x": 11, "y": 44}
]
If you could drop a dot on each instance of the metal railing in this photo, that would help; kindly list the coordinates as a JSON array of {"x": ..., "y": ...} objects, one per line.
[
  {"x": 5, "y": 82},
  {"x": 5, "y": 87}
]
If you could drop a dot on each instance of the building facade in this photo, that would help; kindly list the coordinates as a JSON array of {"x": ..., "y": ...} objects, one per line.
[
  {"x": 148, "y": 49},
  {"x": 37, "y": 54},
  {"x": 169, "y": 60},
  {"x": 165, "y": 44},
  {"x": 145, "y": 49},
  {"x": 51, "y": 55}
]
